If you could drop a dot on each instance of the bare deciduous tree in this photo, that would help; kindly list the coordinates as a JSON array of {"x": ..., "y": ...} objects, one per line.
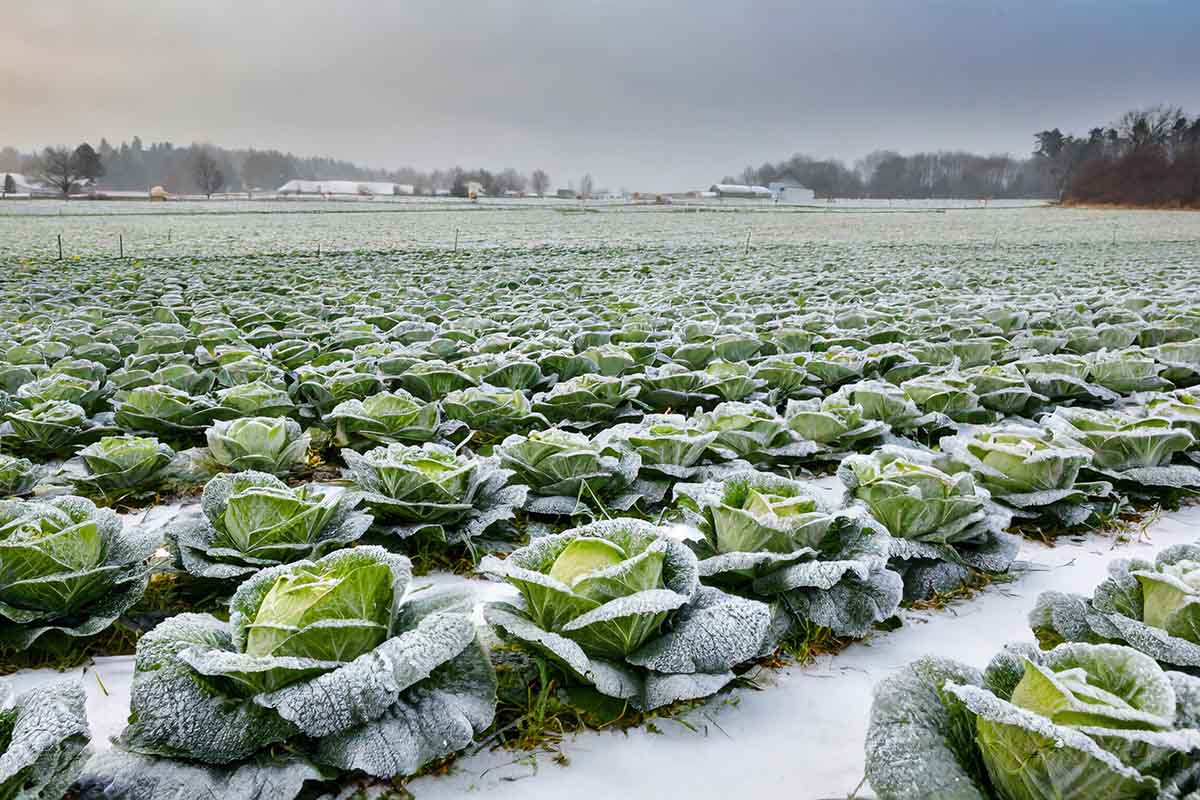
[
  {"x": 539, "y": 182},
  {"x": 207, "y": 173},
  {"x": 58, "y": 167}
]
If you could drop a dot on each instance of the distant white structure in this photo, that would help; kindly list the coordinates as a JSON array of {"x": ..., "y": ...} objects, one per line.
[
  {"x": 736, "y": 190},
  {"x": 357, "y": 188},
  {"x": 791, "y": 192},
  {"x": 24, "y": 184}
]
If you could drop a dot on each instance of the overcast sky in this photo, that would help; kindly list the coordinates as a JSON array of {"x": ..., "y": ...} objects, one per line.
[{"x": 644, "y": 95}]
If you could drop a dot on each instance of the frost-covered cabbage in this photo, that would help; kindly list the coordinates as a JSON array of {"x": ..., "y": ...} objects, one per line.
[
  {"x": 168, "y": 412},
  {"x": 731, "y": 380},
  {"x": 671, "y": 446},
  {"x": 492, "y": 410},
  {"x": 119, "y": 465},
  {"x": 833, "y": 421},
  {"x": 44, "y": 740},
  {"x": 836, "y": 366},
  {"x": 618, "y": 606},
  {"x": 785, "y": 377},
  {"x": 266, "y": 444},
  {"x": 948, "y": 394},
  {"x": 943, "y": 526},
  {"x": 1128, "y": 448},
  {"x": 568, "y": 472},
  {"x": 586, "y": 401},
  {"x": 674, "y": 388},
  {"x": 433, "y": 380},
  {"x": 777, "y": 540},
  {"x": 1181, "y": 407},
  {"x": 1153, "y": 606},
  {"x": 18, "y": 476},
  {"x": 753, "y": 432},
  {"x": 507, "y": 371},
  {"x": 1181, "y": 359},
  {"x": 319, "y": 388},
  {"x": 1127, "y": 371},
  {"x": 66, "y": 567},
  {"x": 1003, "y": 388},
  {"x": 47, "y": 429},
  {"x": 323, "y": 667},
  {"x": 1062, "y": 378},
  {"x": 1079, "y": 721},
  {"x": 432, "y": 490},
  {"x": 384, "y": 418},
  {"x": 1034, "y": 476},
  {"x": 256, "y": 399},
  {"x": 883, "y": 402},
  {"x": 252, "y": 520},
  {"x": 88, "y": 393}
]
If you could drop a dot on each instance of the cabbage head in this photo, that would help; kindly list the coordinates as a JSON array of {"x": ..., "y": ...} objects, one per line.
[
  {"x": 1081, "y": 720},
  {"x": 833, "y": 421},
  {"x": 66, "y": 567},
  {"x": 251, "y": 520},
  {"x": 943, "y": 525},
  {"x": 47, "y": 429},
  {"x": 18, "y": 476},
  {"x": 568, "y": 472},
  {"x": 585, "y": 401},
  {"x": 167, "y": 412},
  {"x": 671, "y": 446},
  {"x": 384, "y": 418},
  {"x": 753, "y": 432},
  {"x": 265, "y": 444},
  {"x": 492, "y": 410},
  {"x": 1029, "y": 472},
  {"x": 778, "y": 540},
  {"x": 618, "y": 606},
  {"x": 120, "y": 465},
  {"x": 432, "y": 490},
  {"x": 1150, "y": 605},
  {"x": 1137, "y": 450},
  {"x": 327, "y": 664}
]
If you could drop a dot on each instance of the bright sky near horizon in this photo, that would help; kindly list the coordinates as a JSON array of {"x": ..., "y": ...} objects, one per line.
[{"x": 661, "y": 96}]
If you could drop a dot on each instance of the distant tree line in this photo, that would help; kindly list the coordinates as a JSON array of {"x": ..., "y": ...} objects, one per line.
[
  {"x": 1149, "y": 157},
  {"x": 207, "y": 169},
  {"x": 886, "y": 173}
]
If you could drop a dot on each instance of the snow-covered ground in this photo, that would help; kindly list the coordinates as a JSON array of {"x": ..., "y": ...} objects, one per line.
[{"x": 805, "y": 728}]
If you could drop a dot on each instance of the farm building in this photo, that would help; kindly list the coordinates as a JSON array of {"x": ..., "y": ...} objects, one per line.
[
  {"x": 359, "y": 188},
  {"x": 734, "y": 190},
  {"x": 24, "y": 184},
  {"x": 790, "y": 192}
]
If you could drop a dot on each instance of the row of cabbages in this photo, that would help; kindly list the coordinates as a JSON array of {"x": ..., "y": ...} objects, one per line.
[
  {"x": 945, "y": 514},
  {"x": 183, "y": 371},
  {"x": 1109, "y": 708}
]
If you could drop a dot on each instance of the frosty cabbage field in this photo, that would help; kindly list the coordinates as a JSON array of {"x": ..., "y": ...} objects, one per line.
[{"x": 358, "y": 498}]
